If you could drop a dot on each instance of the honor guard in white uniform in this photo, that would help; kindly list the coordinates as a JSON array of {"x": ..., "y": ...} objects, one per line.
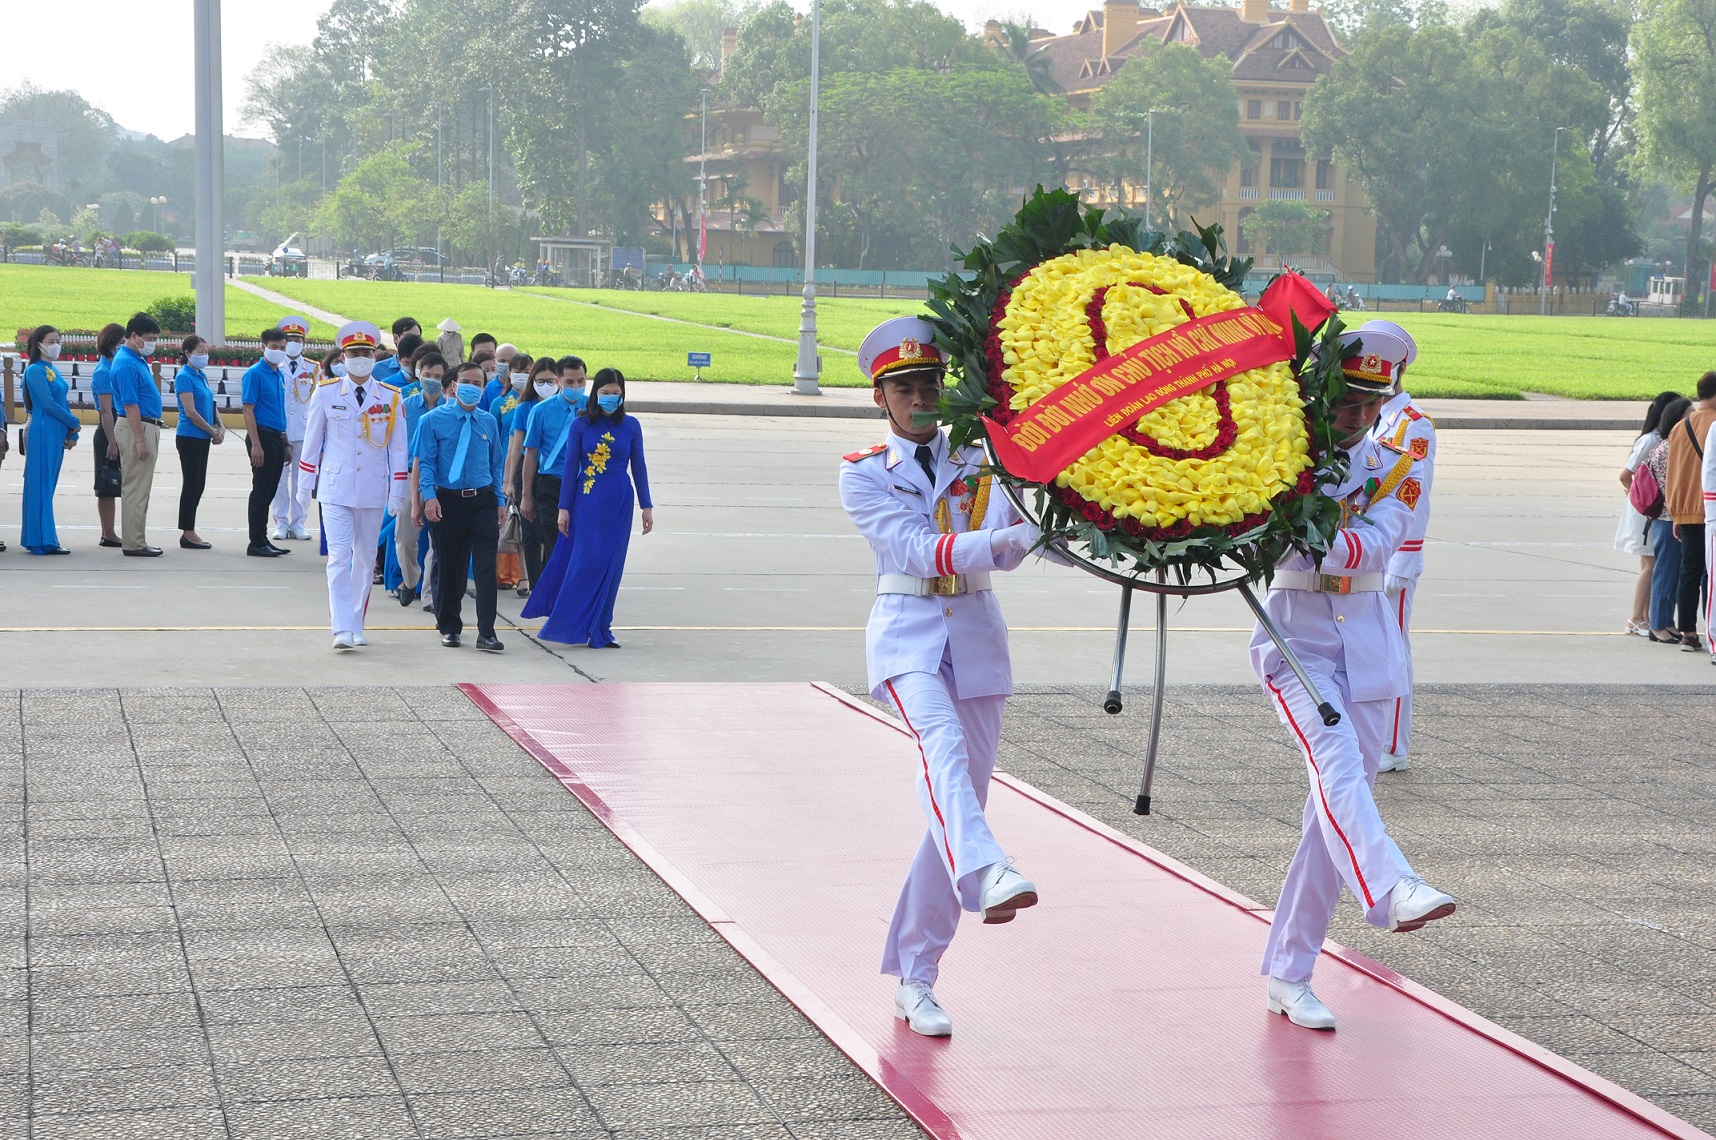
[
  {"x": 300, "y": 377},
  {"x": 936, "y": 645},
  {"x": 1411, "y": 436},
  {"x": 1341, "y": 625},
  {"x": 355, "y": 463}
]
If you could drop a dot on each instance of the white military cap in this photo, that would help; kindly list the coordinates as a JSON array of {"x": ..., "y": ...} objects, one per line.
[
  {"x": 900, "y": 346},
  {"x": 359, "y": 334},
  {"x": 295, "y": 324},
  {"x": 1390, "y": 327},
  {"x": 1372, "y": 359}
]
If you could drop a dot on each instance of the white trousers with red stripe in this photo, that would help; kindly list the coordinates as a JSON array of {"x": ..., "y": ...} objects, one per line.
[
  {"x": 352, "y": 533},
  {"x": 1710, "y": 584},
  {"x": 1343, "y": 841},
  {"x": 957, "y": 741},
  {"x": 1400, "y": 730}
]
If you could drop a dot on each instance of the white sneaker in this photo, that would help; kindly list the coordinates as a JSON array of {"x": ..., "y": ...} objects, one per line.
[
  {"x": 343, "y": 640},
  {"x": 358, "y": 638},
  {"x": 1392, "y": 763},
  {"x": 915, "y": 1004},
  {"x": 1005, "y": 892},
  {"x": 279, "y": 532},
  {"x": 1413, "y": 902},
  {"x": 298, "y": 533},
  {"x": 1301, "y": 1006}
]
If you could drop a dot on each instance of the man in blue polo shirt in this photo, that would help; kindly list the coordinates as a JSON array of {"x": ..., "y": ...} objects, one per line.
[
  {"x": 265, "y": 421},
  {"x": 544, "y": 459},
  {"x": 137, "y": 429},
  {"x": 461, "y": 465}
]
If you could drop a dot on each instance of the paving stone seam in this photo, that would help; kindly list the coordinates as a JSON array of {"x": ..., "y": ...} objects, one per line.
[
  {"x": 178, "y": 928},
  {"x": 653, "y": 974},
  {"x": 321, "y": 916},
  {"x": 29, "y": 970},
  {"x": 470, "y": 928}
]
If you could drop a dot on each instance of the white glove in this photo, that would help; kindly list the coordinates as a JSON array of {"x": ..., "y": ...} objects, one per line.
[
  {"x": 1394, "y": 585},
  {"x": 1021, "y": 536},
  {"x": 394, "y": 506}
]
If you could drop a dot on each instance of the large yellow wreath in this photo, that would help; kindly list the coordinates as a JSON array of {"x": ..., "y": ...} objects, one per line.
[{"x": 1172, "y": 468}]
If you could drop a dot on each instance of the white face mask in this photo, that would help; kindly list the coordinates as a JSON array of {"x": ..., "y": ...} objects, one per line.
[
  {"x": 359, "y": 366},
  {"x": 546, "y": 389},
  {"x": 51, "y": 351},
  {"x": 199, "y": 360},
  {"x": 274, "y": 356},
  {"x": 148, "y": 348},
  {"x": 338, "y": 368},
  {"x": 294, "y": 348},
  {"x": 519, "y": 380}
]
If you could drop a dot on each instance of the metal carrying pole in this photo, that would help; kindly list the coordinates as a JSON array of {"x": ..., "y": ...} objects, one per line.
[
  {"x": 1331, "y": 716},
  {"x": 1111, "y": 704}
]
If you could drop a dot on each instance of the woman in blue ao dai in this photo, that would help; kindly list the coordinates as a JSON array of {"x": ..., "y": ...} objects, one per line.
[
  {"x": 51, "y": 433},
  {"x": 604, "y": 461}
]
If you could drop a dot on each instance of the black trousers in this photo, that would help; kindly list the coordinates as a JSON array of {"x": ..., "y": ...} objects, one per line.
[
  {"x": 1691, "y": 575},
  {"x": 539, "y": 536},
  {"x": 466, "y": 536},
  {"x": 265, "y": 481},
  {"x": 194, "y": 470}
]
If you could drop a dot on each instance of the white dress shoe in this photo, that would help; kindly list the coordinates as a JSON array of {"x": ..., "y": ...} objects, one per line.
[
  {"x": 915, "y": 1004},
  {"x": 1301, "y": 1006},
  {"x": 298, "y": 533},
  {"x": 1393, "y": 763},
  {"x": 279, "y": 532},
  {"x": 358, "y": 638},
  {"x": 1413, "y": 902},
  {"x": 343, "y": 640},
  {"x": 1005, "y": 892}
]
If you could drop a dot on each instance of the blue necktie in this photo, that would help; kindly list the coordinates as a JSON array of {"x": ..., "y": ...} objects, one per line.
[
  {"x": 547, "y": 464},
  {"x": 464, "y": 446}
]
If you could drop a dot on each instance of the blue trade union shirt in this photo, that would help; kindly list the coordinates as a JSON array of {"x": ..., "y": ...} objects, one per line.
[
  {"x": 265, "y": 390},
  {"x": 438, "y": 442},
  {"x": 134, "y": 385}
]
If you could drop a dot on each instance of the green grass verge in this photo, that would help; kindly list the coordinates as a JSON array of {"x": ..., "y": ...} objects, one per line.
[{"x": 89, "y": 298}]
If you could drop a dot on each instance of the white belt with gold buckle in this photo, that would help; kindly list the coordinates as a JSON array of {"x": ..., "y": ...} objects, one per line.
[
  {"x": 1327, "y": 583},
  {"x": 933, "y": 587}
]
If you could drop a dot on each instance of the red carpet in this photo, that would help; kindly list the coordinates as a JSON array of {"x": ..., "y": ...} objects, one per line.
[{"x": 1126, "y": 1005}]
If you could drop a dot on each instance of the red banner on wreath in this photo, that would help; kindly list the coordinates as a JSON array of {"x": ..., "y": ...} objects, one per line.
[{"x": 1046, "y": 437}]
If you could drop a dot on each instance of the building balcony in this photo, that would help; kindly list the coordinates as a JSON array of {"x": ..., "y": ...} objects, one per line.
[
  {"x": 1325, "y": 195},
  {"x": 1248, "y": 193},
  {"x": 1281, "y": 194}
]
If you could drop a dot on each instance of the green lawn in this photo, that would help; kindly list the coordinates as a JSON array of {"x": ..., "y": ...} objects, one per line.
[
  {"x": 1495, "y": 357},
  {"x": 89, "y": 298}
]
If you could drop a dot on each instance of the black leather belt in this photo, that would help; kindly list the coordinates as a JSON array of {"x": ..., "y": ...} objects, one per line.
[
  {"x": 464, "y": 492},
  {"x": 156, "y": 423}
]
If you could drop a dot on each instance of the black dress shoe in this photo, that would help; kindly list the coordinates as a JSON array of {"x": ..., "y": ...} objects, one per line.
[
  {"x": 490, "y": 644},
  {"x": 450, "y": 640},
  {"x": 256, "y": 552},
  {"x": 278, "y": 549},
  {"x": 144, "y": 552},
  {"x": 407, "y": 595},
  {"x": 56, "y": 550},
  {"x": 189, "y": 545},
  {"x": 110, "y": 543}
]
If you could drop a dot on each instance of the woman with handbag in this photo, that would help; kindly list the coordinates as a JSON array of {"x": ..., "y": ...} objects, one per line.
[
  {"x": 199, "y": 429},
  {"x": 1665, "y": 546},
  {"x": 51, "y": 432},
  {"x": 1632, "y": 532},
  {"x": 521, "y": 525},
  {"x": 108, "y": 479},
  {"x": 516, "y": 394}
]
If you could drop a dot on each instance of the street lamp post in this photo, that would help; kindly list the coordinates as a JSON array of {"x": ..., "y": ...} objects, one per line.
[
  {"x": 703, "y": 183},
  {"x": 809, "y": 365},
  {"x": 158, "y": 203},
  {"x": 1549, "y": 226},
  {"x": 210, "y": 280}
]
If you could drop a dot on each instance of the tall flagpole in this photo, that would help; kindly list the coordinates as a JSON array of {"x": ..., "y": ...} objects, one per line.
[
  {"x": 210, "y": 279},
  {"x": 809, "y": 364}
]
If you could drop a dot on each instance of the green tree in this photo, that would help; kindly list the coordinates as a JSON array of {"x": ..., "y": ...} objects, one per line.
[
  {"x": 1288, "y": 228},
  {"x": 1674, "y": 52},
  {"x": 380, "y": 204},
  {"x": 1015, "y": 46},
  {"x": 1195, "y": 140},
  {"x": 700, "y": 24}
]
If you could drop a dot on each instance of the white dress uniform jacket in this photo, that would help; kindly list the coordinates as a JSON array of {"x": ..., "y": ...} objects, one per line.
[
  {"x": 1399, "y": 428},
  {"x": 1356, "y": 633},
  {"x": 345, "y": 464},
  {"x": 300, "y": 377},
  {"x": 893, "y": 503}
]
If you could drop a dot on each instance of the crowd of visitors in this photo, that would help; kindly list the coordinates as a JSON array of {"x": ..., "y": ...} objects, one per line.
[
  {"x": 516, "y": 478},
  {"x": 1670, "y": 482}
]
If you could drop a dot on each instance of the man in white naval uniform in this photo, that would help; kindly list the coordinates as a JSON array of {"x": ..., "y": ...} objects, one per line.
[
  {"x": 300, "y": 376},
  {"x": 937, "y": 651},
  {"x": 355, "y": 462},
  {"x": 1338, "y": 621},
  {"x": 1411, "y": 436}
]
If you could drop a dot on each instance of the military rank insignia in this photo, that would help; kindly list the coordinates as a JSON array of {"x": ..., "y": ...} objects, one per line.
[
  {"x": 1410, "y": 491},
  {"x": 1418, "y": 448},
  {"x": 873, "y": 449}
]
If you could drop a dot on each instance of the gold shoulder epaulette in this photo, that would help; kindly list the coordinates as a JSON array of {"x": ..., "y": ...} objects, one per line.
[
  {"x": 329, "y": 380},
  {"x": 394, "y": 388}
]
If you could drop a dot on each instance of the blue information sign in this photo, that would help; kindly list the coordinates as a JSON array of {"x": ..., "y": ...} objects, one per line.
[{"x": 697, "y": 360}]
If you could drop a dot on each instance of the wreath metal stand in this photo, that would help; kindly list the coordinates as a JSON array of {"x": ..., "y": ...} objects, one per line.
[{"x": 1163, "y": 590}]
